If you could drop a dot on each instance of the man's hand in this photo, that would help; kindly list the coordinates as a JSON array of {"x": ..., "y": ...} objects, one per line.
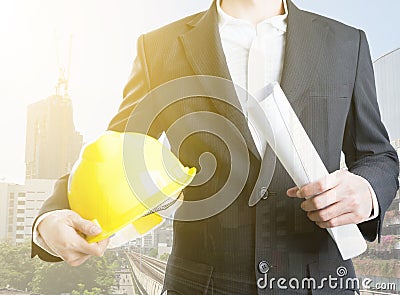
[
  {"x": 63, "y": 233},
  {"x": 337, "y": 199}
]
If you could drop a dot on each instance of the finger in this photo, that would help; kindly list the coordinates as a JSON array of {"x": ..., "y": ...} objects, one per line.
[
  {"x": 76, "y": 245},
  {"x": 79, "y": 260},
  {"x": 81, "y": 245},
  {"x": 329, "y": 212},
  {"x": 103, "y": 245},
  {"x": 86, "y": 227},
  {"x": 348, "y": 218},
  {"x": 322, "y": 201},
  {"x": 70, "y": 256},
  {"x": 292, "y": 191},
  {"x": 320, "y": 186}
]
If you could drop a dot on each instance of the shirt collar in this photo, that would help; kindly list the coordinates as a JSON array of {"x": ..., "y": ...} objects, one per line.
[{"x": 278, "y": 21}]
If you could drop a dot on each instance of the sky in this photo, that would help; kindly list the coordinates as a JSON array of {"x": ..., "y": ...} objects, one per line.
[{"x": 104, "y": 37}]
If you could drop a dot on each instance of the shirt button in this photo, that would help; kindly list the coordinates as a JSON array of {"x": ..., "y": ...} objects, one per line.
[{"x": 263, "y": 267}]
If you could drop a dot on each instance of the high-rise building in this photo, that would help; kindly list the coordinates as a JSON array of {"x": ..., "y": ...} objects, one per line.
[
  {"x": 3, "y": 210},
  {"x": 52, "y": 144},
  {"x": 387, "y": 77},
  {"x": 21, "y": 206},
  {"x": 387, "y": 73}
]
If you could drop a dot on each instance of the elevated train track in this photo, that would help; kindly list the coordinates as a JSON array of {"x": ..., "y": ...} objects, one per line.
[{"x": 148, "y": 273}]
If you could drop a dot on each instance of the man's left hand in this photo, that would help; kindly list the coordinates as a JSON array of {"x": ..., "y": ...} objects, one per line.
[{"x": 337, "y": 199}]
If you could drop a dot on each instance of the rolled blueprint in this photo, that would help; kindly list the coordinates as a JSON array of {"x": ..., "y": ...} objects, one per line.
[{"x": 297, "y": 154}]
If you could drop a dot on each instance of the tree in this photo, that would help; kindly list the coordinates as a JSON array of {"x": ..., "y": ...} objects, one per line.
[
  {"x": 97, "y": 272},
  {"x": 82, "y": 291},
  {"x": 153, "y": 252},
  {"x": 164, "y": 256},
  {"x": 19, "y": 271},
  {"x": 16, "y": 266}
]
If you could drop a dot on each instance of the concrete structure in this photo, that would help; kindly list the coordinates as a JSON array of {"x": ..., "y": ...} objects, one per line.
[
  {"x": 52, "y": 144},
  {"x": 149, "y": 241},
  {"x": 3, "y": 210},
  {"x": 387, "y": 77},
  {"x": 164, "y": 238},
  {"x": 22, "y": 204},
  {"x": 163, "y": 248}
]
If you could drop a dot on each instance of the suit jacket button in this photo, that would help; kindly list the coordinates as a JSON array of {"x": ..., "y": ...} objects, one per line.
[
  {"x": 264, "y": 192},
  {"x": 263, "y": 267}
]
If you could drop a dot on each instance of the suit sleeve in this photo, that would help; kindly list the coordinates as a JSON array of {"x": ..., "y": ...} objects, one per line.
[
  {"x": 137, "y": 103},
  {"x": 137, "y": 87},
  {"x": 366, "y": 145}
]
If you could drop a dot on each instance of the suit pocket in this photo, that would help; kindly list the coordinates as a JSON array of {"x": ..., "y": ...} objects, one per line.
[
  {"x": 184, "y": 276},
  {"x": 330, "y": 90}
]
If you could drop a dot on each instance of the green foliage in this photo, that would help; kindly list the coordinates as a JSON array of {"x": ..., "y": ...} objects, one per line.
[
  {"x": 18, "y": 270},
  {"x": 153, "y": 252},
  {"x": 82, "y": 291},
  {"x": 164, "y": 256},
  {"x": 16, "y": 267}
]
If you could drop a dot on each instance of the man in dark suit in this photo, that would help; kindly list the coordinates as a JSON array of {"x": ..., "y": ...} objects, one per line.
[{"x": 328, "y": 78}]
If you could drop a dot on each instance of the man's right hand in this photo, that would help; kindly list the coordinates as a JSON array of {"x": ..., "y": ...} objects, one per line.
[{"x": 63, "y": 232}]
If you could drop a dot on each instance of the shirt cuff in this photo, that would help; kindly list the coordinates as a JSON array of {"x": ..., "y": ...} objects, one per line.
[
  {"x": 37, "y": 239},
  {"x": 375, "y": 205}
]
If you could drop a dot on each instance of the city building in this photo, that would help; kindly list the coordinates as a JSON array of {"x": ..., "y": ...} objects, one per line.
[
  {"x": 3, "y": 210},
  {"x": 52, "y": 147},
  {"x": 22, "y": 203},
  {"x": 164, "y": 238},
  {"x": 387, "y": 77},
  {"x": 52, "y": 143},
  {"x": 149, "y": 242}
]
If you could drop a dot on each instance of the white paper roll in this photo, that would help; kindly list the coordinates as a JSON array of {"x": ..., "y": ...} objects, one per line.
[{"x": 297, "y": 154}]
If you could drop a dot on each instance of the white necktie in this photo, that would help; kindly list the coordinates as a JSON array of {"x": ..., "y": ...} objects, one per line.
[
  {"x": 258, "y": 75},
  {"x": 255, "y": 81}
]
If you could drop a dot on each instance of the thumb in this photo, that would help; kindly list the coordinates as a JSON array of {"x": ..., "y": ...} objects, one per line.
[
  {"x": 103, "y": 244},
  {"x": 292, "y": 191},
  {"x": 86, "y": 227}
]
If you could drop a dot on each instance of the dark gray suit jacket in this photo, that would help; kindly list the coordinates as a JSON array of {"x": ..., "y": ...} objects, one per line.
[{"x": 328, "y": 78}]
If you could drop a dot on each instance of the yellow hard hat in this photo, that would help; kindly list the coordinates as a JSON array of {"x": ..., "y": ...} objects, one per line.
[{"x": 121, "y": 178}]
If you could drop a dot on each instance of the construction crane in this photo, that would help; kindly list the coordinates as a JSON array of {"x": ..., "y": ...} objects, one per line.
[{"x": 64, "y": 71}]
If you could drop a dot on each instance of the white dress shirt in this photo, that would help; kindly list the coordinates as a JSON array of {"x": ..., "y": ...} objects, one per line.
[{"x": 254, "y": 55}]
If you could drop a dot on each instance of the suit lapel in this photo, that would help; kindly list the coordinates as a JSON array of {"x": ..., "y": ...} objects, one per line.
[
  {"x": 305, "y": 41},
  {"x": 202, "y": 45},
  {"x": 203, "y": 48}
]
